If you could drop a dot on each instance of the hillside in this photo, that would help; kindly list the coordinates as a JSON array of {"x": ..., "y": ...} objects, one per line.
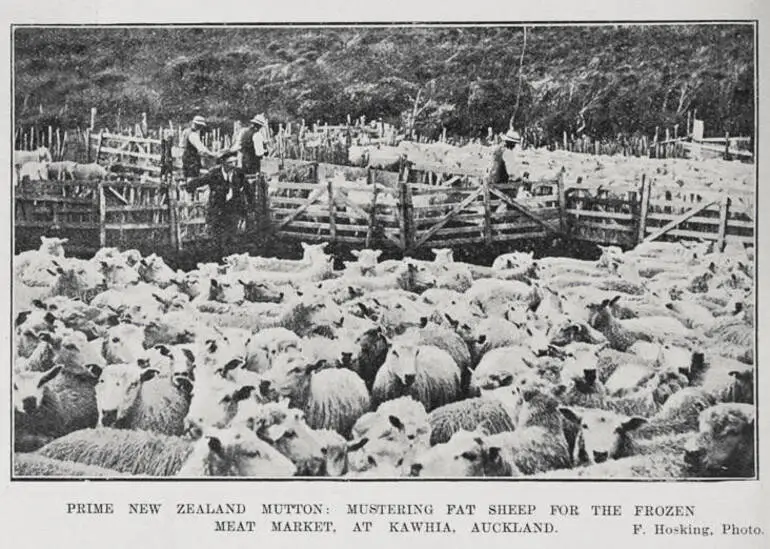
[{"x": 598, "y": 80}]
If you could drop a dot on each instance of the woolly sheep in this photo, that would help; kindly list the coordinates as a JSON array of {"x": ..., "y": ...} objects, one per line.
[
  {"x": 89, "y": 172},
  {"x": 223, "y": 453},
  {"x": 425, "y": 372},
  {"x": 285, "y": 430},
  {"x": 264, "y": 346},
  {"x": 131, "y": 398},
  {"x": 33, "y": 465},
  {"x": 34, "y": 171},
  {"x": 468, "y": 415},
  {"x": 602, "y": 435},
  {"x": 724, "y": 445},
  {"x": 41, "y": 154},
  {"x": 494, "y": 297},
  {"x": 50, "y": 404},
  {"x": 373, "y": 347},
  {"x": 154, "y": 270},
  {"x": 330, "y": 398},
  {"x": 466, "y": 454},
  {"x": 510, "y": 360},
  {"x": 123, "y": 343},
  {"x": 60, "y": 171},
  {"x": 214, "y": 402},
  {"x": 261, "y": 291},
  {"x": 453, "y": 276}
]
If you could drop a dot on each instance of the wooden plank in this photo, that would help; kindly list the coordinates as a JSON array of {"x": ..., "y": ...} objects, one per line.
[
  {"x": 507, "y": 237},
  {"x": 174, "y": 233},
  {"x": 64, "y": 225},
  {"x": 131, "y": 139},
  {"x": 136, "y": 226},
  {"x": 299, "y": 211},
  {"x": 117, "y": 195},
  {"x": 523, "y": 210},
  {"x": 562, "y": 203},
  {"x": 724, "y": 207},
  {"x": 372, "y": 215},
  {"x": 332, "y": 208},
  {"x": 445, "y": 219},
  {"x": 673, "y": 223},
  {"x": 604, "y": 227},
  {"x": 643, "y": 206},
  {"x": 487, "y": 212},
  {"x": 661, "y": 217},
  {"x": 294, "y": 186}
]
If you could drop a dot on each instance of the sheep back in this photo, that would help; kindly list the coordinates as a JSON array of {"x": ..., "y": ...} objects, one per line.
[
  {"x": 467, "y": 415},
  {"x": 126, "y": 451},
  {"x": 336, "y": 399},
  {"x": 33, "y": 465}
]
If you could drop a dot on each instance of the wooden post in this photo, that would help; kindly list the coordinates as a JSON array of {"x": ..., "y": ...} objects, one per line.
[
  {"x": 50, "y": 138},
  {"x": 332, "y": 220},
  {"x": 727, "y": 145},
  {"x": 643, "y": 207},
  {"x": 173, "y": 219},
  {"x": 93, "y": 119},
  {"x": 564, "y": 139},
  {"x": 562, "y": 197},
  {"x": 58, "y": 148},
  {"x": 688, "y": 131},
  {"x": 487, "y": 212},
  {"x": 373, "y": 212},
  {"x": 88, "y": 145},
  {"x": 262, "y": 203},
  {"x": 724, "y": 210},
  {"x": 98, "y": 146},
  {"x": 102, "y": 211}
]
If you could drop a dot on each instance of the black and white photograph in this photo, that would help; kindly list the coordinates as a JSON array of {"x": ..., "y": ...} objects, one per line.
[{"x": 381, "y": 251}]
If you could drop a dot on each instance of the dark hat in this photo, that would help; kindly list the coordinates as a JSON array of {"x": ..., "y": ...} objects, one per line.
[{"x": 225, "y": 155}]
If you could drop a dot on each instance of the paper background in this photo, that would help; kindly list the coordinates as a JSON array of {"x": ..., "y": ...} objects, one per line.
[{"x": 32, "y": 514}]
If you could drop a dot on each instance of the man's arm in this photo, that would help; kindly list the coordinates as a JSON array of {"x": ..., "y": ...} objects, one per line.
[
  {"x": 196, "y": 182},
  {"x": 195, "y": 141}
]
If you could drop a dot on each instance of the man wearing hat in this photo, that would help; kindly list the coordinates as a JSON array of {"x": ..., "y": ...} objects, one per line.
[
  {"x": 229, "y": 199},
  {"x": 511, "y": 139},
  {"x": 251, "y": 145},
  {"x": 194, "y": 148}
]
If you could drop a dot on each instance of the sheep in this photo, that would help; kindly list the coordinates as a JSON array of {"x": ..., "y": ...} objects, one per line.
[
  {"x": 453, "y": 276},
  {"x": 373, "y": 347},
  {"x": 89, "y": 172},
  {"x": 123, "y": 343},
  {"x": 439, "y": 297},
  {"x": 724, "y": 379},
  {"x": 392, "y": 435},
  {"x": 214, "y": 402},
  {"x": 425, "y": 372},
  {"x": 500, "y": 362},
  {"x": 621, "y": 334},
  {"x": 41, "y": 154},
  {"x": 129, "y": 397},
  {"x": 366, "y": 261},
  {"x": 466, "y": 454},
  {"x": 33, "y": 465},
  {"x": 494, "y": 297},
  {"x": 59, "y": 171},
  {"x": 602, "y": 434},
  {"x": 724, "y": 445},
  {"x": 261, "y": 291},
  {"x": 76, "y": 279},
  {"x": 154, "y": 270},
  {"x": 50, "y": 404},
  {"x": 34, "y": 171},
  {"x": 331, "y": 398},
  {"x": 468, "y": 415},
  {"x": 538, "y": 443},
  {"x": 285, "y": 430},
  {"x": 337, "y": 352},
  {"x": 264, "y": 346},
  {"x": 494, "y": 333},
  {"x": 143, "y": 453},
  {"x": 515, "y": 266},
  {"x": 335, "y": 450}
]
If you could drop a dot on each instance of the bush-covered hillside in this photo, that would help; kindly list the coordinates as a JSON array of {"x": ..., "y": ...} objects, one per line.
[{"x": 600, "y": 80}]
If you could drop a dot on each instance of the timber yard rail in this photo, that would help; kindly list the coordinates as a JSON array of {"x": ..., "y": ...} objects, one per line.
[{"x": 415, "y": 209}]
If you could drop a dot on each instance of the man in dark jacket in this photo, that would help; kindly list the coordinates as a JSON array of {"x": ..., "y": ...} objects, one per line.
[
  {"x": 230, "y": 200},
  {"x": 252, "y": 145},
  {"x": 193, "y": 148}
]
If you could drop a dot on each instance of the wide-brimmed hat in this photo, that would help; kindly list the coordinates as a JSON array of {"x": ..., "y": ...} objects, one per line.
[
  {"x": 512, "y": 137},
  {"x": 226, "y": 155},
  {"x": 199, "y": 120},
  {"x": 259, "y": 119}
]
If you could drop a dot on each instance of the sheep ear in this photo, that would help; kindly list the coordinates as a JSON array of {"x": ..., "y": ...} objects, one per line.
[
  {"x": 21, "y": 318},
  {"x": 189, "y": 356},
  {"x": 570, "y": 415},
  {"x": 148, "y": 374},
  {"x": 183, "y": 383},
  {"x": 423, "y": 321},
  {"x": 214, "y": 283},
  {"x": 143, "y": 362},
  {"x": 355, "y": 253},
  {"x": 49, "y": 319},
  {"x": 49, "y": 375},
  {"x": 377, "y": 254},
  {"x": 395, "y": 422},
  {"x": 632, "y": 424},
  {"x": 452, "y": 322},
  {"x": 243, "y": 393},
  {"x": 233, "y": 365},
  {"x": 38, "y": 304},
  {"x": 242, "y": 283},
  {"x": 355, "y": 446},
  {"x": 614, "y": 300},
  {"x": 481, "y": 339},
  {"x": 713, "y": 267},
  {"x": 163, "y": 350},
  {"x": 215, "y": 445},
  {"x": 492, "y": 454}
]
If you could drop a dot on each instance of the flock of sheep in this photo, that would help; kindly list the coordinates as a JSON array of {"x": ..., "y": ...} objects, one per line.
[
  {"x": 639, "y": 364},
  {"x": 37, "y": 165}
]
